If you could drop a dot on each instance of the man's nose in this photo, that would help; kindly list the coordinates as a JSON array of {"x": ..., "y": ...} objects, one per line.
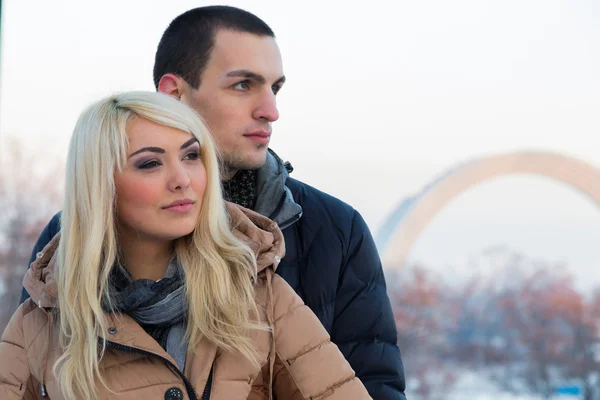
[{"x": 266, "y": 108}]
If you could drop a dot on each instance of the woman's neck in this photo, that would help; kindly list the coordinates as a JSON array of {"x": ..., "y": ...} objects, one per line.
[{"x": 146, "y": 259}]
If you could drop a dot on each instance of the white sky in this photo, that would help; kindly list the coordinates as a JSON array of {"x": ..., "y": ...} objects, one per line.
[{"x": 381, "y": 98}]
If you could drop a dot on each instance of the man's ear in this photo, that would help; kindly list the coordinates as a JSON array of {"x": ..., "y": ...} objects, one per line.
[{"x": 172, "y": 85}]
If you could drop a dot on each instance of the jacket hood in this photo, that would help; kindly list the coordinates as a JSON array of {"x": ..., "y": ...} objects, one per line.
[
  {"x": 261, "y": 234},
  {"x": 39, "y": 280}
]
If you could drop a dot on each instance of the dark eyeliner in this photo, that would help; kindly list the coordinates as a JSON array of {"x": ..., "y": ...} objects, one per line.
[{"x": 147, "y": 164}]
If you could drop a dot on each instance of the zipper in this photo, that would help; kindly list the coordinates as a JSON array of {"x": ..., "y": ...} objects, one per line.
[
  {"x": 208, "y": 387},
  {"x": 188, "y": 386},
  {"x": 290, "y": 221}
]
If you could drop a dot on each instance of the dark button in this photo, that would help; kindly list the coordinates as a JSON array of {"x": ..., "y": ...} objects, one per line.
[
  {"x": 112, "y": 330},
  {"x": 173, "y": 394}
]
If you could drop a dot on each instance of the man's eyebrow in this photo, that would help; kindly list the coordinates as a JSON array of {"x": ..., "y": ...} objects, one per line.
[
  {"x": 280, "y": 80},
  {"x": 244, "y": 73},
  {"x": 150, "y": 149}
]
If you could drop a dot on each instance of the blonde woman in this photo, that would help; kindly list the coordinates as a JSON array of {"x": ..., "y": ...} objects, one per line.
[{"x": 157, "y": 289}]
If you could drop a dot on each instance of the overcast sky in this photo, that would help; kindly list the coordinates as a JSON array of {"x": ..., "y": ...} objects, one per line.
[{"x": 381, "y": 97}]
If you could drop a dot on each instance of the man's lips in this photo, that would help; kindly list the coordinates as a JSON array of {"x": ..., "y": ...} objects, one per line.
[{"x": 261, "y": 137}]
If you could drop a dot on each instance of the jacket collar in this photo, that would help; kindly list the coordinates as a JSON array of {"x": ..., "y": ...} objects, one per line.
[{"x": 274, "y": 198}]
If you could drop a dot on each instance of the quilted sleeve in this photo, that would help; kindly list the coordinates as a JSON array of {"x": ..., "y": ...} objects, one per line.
[
  {"x": 315, "y": 364},
  {"x": 364, "y": 326}
]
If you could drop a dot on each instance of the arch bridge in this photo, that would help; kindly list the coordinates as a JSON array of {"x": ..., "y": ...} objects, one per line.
[{"x": 403, "y": 227}]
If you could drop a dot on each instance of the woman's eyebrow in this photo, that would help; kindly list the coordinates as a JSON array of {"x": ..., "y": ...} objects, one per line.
[
  {"x": 160, "y": 150},
  {"x": 188, "y": 143},
  {"x": 150, "y": 149}
]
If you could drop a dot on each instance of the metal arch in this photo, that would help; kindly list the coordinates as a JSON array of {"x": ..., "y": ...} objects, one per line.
[{"x": 405, "y": 224}]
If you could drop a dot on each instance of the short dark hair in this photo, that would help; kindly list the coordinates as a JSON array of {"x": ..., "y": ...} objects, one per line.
[{"x": 185, "y": 47}]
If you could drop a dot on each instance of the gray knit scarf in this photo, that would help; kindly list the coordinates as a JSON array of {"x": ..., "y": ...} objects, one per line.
[{"x": 159, "y": 307}]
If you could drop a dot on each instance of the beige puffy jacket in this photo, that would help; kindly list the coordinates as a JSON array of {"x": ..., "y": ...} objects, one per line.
[{"x": 299, "y": 361}]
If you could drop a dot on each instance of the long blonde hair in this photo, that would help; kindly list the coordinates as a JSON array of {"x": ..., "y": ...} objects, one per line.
[{"x": 219, "y": 269}]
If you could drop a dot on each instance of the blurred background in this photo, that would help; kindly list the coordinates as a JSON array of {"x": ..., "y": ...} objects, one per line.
[{"x": 498, "y": 294}]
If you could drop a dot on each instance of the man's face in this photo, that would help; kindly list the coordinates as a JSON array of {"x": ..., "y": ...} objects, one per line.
[{"x": 237, "y": 97}]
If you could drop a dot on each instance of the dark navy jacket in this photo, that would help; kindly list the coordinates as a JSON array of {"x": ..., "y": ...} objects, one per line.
[{"x": 332, "y": 263}]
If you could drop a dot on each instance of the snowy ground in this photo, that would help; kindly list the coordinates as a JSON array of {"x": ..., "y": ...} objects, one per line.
[{"x": 473, "y": 385}]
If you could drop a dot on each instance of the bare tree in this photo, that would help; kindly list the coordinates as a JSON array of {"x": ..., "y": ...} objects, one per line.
[
  {"x": 30, "y": 189},
  {"x": 522, "y": 324},
  {"x": 422, "y": 315}
]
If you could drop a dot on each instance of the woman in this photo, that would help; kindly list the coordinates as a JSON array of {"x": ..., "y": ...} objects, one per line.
[{"x": 157, "y": 289}]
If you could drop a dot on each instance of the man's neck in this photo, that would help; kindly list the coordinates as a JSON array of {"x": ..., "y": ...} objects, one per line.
[
  {"x": 146, "y": 259},
  {"x": 228, "y": 173}
]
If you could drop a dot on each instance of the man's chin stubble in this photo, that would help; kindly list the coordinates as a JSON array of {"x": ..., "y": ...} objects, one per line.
[{"x": 229, "y": 167}]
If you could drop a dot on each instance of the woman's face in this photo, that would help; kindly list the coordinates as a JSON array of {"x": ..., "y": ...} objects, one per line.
[{"x": 161, "y": 187}]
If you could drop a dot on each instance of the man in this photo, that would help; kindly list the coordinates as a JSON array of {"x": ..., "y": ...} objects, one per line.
[{"x": 225, "y": 63}]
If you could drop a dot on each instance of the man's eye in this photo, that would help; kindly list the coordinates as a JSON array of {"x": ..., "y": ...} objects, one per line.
[
  {"x": 243, "y": 85},
  {"x": 276, "y": 88}
]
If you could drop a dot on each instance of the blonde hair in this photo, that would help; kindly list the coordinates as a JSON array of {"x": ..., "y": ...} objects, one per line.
[{"x": 220, "y": 271}]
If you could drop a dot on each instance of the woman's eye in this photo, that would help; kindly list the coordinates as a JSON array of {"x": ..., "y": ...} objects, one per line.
[
  {"x": 149, "y": 164},
  {"x": 194, "y": 155}
]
